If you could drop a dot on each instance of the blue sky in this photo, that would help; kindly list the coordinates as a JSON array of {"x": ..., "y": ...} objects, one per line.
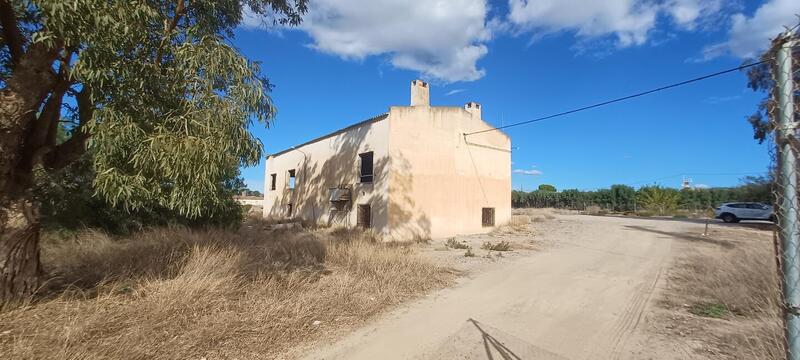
[{"x": 525, "y": 59}]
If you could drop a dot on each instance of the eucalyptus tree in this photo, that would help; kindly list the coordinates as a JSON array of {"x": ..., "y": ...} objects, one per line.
[{"x": 154, "y": 88}]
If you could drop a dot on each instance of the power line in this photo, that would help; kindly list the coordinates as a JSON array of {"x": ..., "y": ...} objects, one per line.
[{"x": 624, "y": 97}]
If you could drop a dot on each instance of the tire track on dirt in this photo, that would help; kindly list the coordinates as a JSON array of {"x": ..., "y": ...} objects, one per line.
[{"x": 635, "y": 313}]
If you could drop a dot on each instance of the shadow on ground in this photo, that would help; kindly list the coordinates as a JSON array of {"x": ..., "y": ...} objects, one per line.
[
  {"x": 749, "y": 224},
  {"x": 683, "y": 236},
  {"x": 476, "y": 340}
]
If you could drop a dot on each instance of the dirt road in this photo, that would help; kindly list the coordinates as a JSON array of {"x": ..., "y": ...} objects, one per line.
[{"x": 582, "y": 298}]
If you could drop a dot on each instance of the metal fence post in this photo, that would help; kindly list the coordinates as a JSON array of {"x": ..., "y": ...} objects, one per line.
[{"x": 788, "y": 205}]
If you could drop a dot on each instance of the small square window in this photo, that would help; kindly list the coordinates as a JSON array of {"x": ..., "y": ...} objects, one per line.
[
  {"x": 273, "y": 181},
  {"x": 366, "y": 173}
]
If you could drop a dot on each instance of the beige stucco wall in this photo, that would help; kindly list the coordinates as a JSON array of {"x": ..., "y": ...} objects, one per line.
[
  {"x": 429, "y": 180},
  {"x": 439, "y": 182},
  {"x": 327, "y": 163}
]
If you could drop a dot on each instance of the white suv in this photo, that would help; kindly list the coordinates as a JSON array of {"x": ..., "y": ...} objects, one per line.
[{"x": 733, "y": 212}]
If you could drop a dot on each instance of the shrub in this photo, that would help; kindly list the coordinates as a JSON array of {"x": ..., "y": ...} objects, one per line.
[
  {"x": 469, "y": 252},
  {"x": 455, "y": 244},
  {"x": 500, "y": 246}
]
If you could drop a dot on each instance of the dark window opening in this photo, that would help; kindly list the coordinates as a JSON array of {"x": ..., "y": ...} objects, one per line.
[
  {"x": 289, "y": 209},
  {"x": 292, "y": 179},
  {"x": 273, "y": 181},
  {"x": 487, "y": 216},
  {"x": 366, "y": 172},
  {"x": 364, "y": 216}
]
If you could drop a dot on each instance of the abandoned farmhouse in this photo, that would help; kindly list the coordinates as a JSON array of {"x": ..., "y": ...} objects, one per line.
[{"x": 410, "y": 172}]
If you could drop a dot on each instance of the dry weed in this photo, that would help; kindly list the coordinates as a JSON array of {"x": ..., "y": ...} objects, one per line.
[
  {"x": 518, "y": 223},
  {"x": 740, "y": 285},
  {"x": 177, "y": 293}
]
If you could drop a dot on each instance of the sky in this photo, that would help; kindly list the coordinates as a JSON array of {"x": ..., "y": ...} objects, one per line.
[{"x": 350, "y": 60}]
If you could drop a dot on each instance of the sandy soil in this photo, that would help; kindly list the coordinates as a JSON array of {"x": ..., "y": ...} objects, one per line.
[{"x": 581, "y": 291}]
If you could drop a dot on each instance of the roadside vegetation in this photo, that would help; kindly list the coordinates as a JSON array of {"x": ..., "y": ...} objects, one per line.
[
  {"x": 647, "y": 200},
  {"x": 174, "y": 292},
  {"x": 726, "y": 296}
]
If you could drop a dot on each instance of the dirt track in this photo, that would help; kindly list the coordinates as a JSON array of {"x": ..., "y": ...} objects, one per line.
[{"x": 584, "y": 297}]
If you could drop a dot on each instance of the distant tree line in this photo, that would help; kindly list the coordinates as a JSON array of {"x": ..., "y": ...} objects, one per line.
[{"x": 625, "y": 198}]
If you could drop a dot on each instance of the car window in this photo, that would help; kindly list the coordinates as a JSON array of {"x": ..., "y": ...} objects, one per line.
[{"x": 737, "y": 206}]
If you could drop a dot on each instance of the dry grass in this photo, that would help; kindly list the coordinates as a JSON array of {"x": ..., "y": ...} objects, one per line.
[
  {"x": 517, "y": 224},
  {"x": 177, "y": 293},
  {"x": 740, "y": 286}
]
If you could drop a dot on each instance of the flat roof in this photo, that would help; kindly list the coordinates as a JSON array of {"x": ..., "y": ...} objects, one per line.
[{"x": 337, "y": 132}]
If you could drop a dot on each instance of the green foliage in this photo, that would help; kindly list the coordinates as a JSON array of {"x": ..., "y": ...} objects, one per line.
[
  {"x": 659, "y": 199},
  {"x": 248, "y": 192},
  {"x": 68, "y": 202},
  {"x": 547, "y": 187},
  {"x": 712, "y": 310},
  {"x": 623, "y": 198},
  {"x": 163, "y": 98}
]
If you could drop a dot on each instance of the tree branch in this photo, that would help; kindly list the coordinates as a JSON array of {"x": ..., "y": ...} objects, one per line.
[
  {"x": 70, "y": 150},
  {"x": 41, "y": 136},
  {"x": 11, "y": 32},
  {"x": 180, "y": 10}
]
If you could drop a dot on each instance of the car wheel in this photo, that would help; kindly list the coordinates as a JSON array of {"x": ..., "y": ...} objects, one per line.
[
  {"x": 729, "y": 218},
  {"x": 773, "y": 218}
]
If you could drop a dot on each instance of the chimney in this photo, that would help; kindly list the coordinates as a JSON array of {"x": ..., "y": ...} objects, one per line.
[
  {"x": 473, "y": 108},
  {"x": 420, "y": 93}
]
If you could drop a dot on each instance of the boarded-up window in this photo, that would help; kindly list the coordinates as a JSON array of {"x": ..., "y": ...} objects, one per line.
[
  {"x": 487, "y": 217},
  {"x": 292, "y": 179},
  {"x": 273, "y": 181},
  {"x": 364, "y": 216},
  {"x": 366, "y": 167}
]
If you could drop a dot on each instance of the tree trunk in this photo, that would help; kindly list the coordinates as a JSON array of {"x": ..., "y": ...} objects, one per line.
[
  {"x": 19, "y": 250},
  {"x": 31, "y": 81}
]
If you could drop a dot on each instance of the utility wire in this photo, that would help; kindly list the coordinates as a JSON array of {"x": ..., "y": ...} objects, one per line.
[{"x": 624, "y": 97}]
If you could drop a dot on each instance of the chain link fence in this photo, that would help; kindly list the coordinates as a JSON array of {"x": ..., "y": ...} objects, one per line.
[{"x": 783, "y": 116}]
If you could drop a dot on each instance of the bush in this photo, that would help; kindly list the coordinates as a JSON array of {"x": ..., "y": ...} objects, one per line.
[
  {"x": 68, "y": 202},
  {"x": 500, "y": 246},
  {"x": 469, "y": 252},
  {"x": 455, "y": 244}
]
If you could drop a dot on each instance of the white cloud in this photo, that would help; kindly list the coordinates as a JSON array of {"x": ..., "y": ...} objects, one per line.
[
  {"x": 629, "y": 21},
  {"x": 532, "y": 172},
  {"x": 748, "y": 36},
  {"x": 688, "y": 13},
  {"x": 440, "y": 39},
  {"x": 454, "y": 91},
  {"x": 715, "y": 100}
]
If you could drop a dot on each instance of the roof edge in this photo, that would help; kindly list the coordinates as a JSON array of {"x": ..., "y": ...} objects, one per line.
[{"x": 371, "y": 120}]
